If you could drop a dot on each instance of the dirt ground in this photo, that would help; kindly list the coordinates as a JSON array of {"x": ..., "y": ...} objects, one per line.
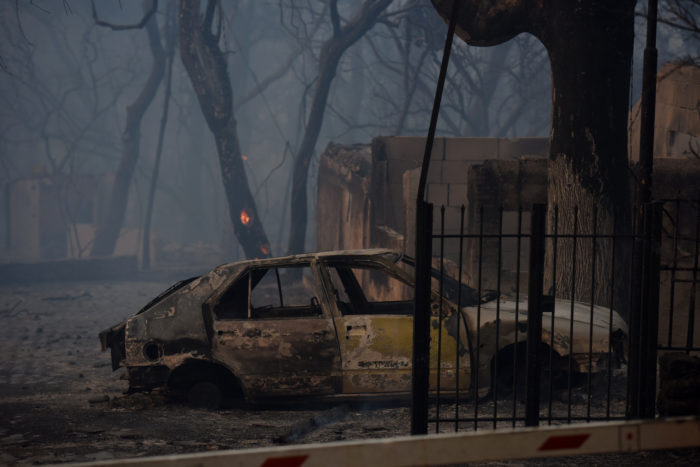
[{"x": 61, "y": 402}]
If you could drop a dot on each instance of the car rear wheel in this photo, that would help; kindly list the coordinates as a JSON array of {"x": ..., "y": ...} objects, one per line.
[
  {"x": 205, "y": 395},
  {"x": 509, "y": 378}
]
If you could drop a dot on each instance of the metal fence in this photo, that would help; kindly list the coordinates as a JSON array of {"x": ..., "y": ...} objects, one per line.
[
  {"x": 679, "y": 272},
  {"x": 564, "y": 325}
]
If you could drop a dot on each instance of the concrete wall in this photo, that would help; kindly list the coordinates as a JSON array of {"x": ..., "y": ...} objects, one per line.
[
  {"x": 343, "y": 208},
  {"x": 451, "y": 158},
  {"x": 367, "y": 194},
  {"x": 677, "y": 121},
  {"x": 47, "y": 218}
]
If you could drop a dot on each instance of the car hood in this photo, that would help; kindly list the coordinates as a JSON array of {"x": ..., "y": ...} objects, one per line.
[{"x": 506, "y": 307}]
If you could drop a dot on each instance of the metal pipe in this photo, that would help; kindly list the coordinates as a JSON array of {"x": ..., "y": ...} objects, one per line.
[
  {"x": 436, "y": 102},
  {"x": 648, "y": 106}
]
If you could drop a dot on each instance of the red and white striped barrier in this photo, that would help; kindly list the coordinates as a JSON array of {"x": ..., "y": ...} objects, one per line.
[{"x": 454, "y": 448}]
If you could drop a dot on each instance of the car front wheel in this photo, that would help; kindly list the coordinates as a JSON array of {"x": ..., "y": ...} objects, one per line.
[{"x": 205, "y": 395}]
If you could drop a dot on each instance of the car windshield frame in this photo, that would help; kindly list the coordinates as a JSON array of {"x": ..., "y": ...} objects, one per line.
[
  {"x": 450, "y": 289},
  {"x": 167, "y": 292}
]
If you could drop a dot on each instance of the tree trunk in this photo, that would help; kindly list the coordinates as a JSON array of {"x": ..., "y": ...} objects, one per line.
[
  {"x": 590, "y": 48},
  {"x": 110, "y": 222},
  {"x": 331, "y": 52},
  {"x": 299, "y": 217},
  {"x": 590, "y": 51},
  {"x": 206, "y": 67},
  {"x": 171, "y": 38}
]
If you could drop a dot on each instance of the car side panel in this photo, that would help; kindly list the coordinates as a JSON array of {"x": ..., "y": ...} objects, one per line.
[{"x": 278, "y": 357}]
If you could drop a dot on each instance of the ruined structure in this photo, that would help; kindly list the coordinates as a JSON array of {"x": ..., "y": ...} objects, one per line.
[
  {"x": 677, "y": 123},
  {"x": 51, "y": 217},
  {"x": 367, "y": 193}
]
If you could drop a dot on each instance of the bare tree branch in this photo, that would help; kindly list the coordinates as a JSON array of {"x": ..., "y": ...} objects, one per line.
[
  {"x": 335, "y": 18},
  {"x": 123, "y": 27}
]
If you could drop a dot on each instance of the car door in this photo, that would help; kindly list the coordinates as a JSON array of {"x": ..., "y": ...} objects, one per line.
[
  {"x": 373, "y": 311},
  {"x": 374, "y": 329},
  {"x": 274, "y": 329}
]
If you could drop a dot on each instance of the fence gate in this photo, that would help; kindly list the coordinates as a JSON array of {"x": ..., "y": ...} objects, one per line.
[{"x": 555, "y": 309}]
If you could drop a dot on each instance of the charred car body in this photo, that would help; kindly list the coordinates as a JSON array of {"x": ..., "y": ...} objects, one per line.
[{"x": 326, "y": 324}]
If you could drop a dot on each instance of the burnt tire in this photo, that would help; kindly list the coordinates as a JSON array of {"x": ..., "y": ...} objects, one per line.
[{"x": 205, "y": 395}]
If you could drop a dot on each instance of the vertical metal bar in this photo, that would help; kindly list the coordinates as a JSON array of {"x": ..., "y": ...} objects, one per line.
[
  {"x": 571, "y": 318},
  {"x": 279, "y": 286},
  {"x": 610, "y": 319},
  {"x": 436, "y": 102},
  {"x": 646, "y": 162},
  {"x": 674, "y": 266},
  {"x": 421, "y": 321},
  {"x": 555, "y": 241},
  {"x": 439, "y": 340},
  {"x": 424, "y": 222},
  {"x": 498, "y": 318},
  {"x": 534, "y": 315},
  {"x": 478, "y": 319},
  {"x": 648, "y": 105},
  {"x": 590, "y": 323},
  {"x": 633, "y": 364},
  {"x": 650, "y": 311},
  {"x": 517, "y": 314},
  {"x": 8, "y": 216},
  {"x": 693, "y": 286},
  {"x": 459, "y": 316}
]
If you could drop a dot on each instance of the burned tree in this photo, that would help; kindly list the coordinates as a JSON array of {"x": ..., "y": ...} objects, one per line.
[
  {"x": 590, "y": 49},
  {"x": 206, "y": 66},
  {"x": 343, "y": 36},
  {"x": 170, "y": 44},
  {"x": 110, "y": 224}
]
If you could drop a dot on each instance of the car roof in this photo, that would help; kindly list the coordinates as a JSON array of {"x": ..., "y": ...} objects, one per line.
[{"x": 381, "y": 254}]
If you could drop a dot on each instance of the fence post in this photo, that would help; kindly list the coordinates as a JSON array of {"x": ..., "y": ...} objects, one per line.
[
  {"x": 421, "y": 319},
  {"x": 634, "y": 358},
  {"x": 534, "y": 315},
  {"x": 649, "y": 322}
]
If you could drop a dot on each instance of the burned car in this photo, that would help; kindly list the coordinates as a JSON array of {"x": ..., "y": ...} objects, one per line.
[{"x": 326, "y": 324}]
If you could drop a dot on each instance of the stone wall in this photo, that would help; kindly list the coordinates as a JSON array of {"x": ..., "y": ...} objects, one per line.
[
  {"x": 367, "y": 194},
  {"x": 343, "y": 208},
  {"x": 677, "y": 120},
  {"x": 49, "y": 217},
  {"x": 679, "y": 393}
]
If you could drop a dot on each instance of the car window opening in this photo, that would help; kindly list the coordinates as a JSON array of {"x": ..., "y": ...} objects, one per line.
[
  {"x": 268, "y": 293},
  {"x": 360, "y": 291}
]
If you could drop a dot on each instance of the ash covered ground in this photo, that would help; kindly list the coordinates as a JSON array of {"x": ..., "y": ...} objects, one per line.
[{"x": 61, "y": 402}]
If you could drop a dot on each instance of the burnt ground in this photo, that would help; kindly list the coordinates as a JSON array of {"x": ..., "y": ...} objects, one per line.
[{"x": 61, "y": 402}]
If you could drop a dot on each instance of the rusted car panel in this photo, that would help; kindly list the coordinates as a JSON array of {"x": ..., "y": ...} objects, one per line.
[
  {"x": 505, "y": 309},
  {"x": 333, "y": 323}
]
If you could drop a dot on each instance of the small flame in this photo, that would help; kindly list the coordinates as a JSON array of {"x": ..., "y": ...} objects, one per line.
[
  {"x": 264, "y": 250},
  {"x": 245, "y": 217},
  {"x": 245, "y": 158}
]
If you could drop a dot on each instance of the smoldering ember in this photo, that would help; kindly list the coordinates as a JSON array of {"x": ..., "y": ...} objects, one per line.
[{"x": 244, "y": 224}]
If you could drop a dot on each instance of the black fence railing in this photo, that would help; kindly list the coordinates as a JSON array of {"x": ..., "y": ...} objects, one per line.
[
  {"x": 580, "y": 345},
  {"x": 680, "y": 276}
]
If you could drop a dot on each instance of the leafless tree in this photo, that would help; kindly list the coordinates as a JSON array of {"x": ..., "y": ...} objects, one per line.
[
  {"x": 490, "y": 91},
  {"x": 170, "y": 44},
  {"x": 343, "y": 35},
  {"x": 590, "y": 64},
  {"x": 64, "y": 119},
  {"x": 205, "y": 63},
  {"x": 110, "y": 223}
]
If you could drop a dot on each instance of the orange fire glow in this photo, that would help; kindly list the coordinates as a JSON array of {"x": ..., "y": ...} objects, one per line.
[
  {"x": 245, "y": 158},
  {"x": 245, "y": 217},
  {"x": 264, "y": 249}
]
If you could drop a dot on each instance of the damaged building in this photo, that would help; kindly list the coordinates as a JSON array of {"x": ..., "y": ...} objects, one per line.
[{"x": 367, "y": 193}]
